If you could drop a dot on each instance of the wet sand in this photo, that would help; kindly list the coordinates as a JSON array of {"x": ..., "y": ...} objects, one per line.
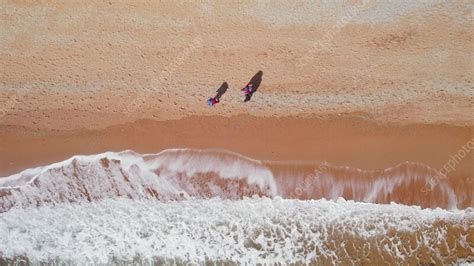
[{"x": 343, "y": 141}]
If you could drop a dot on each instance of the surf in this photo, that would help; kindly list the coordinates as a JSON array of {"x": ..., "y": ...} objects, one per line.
[
  {"x": 250, "y": 230},
  {"x": 216, "y": 206},
  {"x": 177, "y": 174}
]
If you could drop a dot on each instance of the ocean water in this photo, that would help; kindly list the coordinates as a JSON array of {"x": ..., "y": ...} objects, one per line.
[{"x": 214, "y": 206}]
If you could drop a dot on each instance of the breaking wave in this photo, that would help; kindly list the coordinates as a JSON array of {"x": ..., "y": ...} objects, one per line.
[
  {"x": 186, "y": 173},
  {"x": 214, "y": 206}
]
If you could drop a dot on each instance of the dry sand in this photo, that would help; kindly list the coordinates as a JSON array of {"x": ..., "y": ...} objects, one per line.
[{"x": 362, "y": 83}]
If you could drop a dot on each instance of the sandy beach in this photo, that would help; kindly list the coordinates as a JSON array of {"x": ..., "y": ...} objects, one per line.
[
  {"x": 364, "y": 85},
  {"x": 345, "y": 85}
]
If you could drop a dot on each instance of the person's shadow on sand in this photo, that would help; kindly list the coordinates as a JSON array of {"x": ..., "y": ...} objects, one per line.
[
  {"x": 255, "y": 81},
  {"x": 222, "y": 89}
]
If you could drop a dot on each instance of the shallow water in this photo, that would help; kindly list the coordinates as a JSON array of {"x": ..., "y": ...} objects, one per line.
[
  {"x": 249, "y": 230},
  {"x": 204, "y": 206}
]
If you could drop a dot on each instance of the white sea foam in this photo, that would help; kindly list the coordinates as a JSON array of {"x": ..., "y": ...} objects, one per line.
[
  {"x": 182, "y": 173},
  {"x": 245, "y": 231},
  {"x": 171, "y": 174},
  {"x": 187, "y": 161},
  {"x": 174, "y": 207}
]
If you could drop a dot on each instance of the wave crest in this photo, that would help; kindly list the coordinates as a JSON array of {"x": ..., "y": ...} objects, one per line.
[{"x": 182, "y": 173}]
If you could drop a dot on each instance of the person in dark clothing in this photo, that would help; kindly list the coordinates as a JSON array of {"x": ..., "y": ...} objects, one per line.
[
  {"x": 252, "y": 86},
  {"x": 248, "y": 90}
]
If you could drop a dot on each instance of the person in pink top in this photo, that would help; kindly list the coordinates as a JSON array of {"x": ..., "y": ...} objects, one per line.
[
  {"x": 248, "y": 90},
  {"x": 251, "y": 87}
]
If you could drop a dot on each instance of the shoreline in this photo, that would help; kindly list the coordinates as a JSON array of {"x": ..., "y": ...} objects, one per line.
[{"x": 342, "y": 141}]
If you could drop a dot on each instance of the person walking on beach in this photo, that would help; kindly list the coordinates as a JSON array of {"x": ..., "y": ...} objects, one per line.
[
  {"x": 216, "y": 99},
  {"x": 251, "y": 87},
  {"x": 212, "y": 101},
  {"x": 248, "y": 91}
]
